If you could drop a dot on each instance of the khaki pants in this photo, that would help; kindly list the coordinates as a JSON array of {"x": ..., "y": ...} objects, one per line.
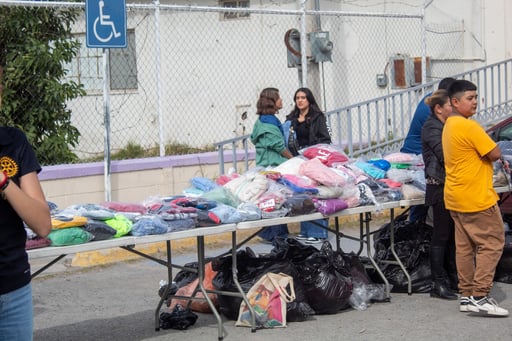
[{"x": 479, "y": 241}]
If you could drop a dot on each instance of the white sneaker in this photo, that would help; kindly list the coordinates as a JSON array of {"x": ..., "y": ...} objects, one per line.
[
  {"x": 486, "y": 306},
  {"x": 313, "y": 240},
  {"x": 464, "y": 302}
]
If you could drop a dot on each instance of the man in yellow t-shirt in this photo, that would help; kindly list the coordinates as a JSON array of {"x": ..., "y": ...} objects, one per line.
[{"x": 469, "y": 195}]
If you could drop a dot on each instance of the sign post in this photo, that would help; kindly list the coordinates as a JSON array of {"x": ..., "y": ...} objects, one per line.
[{"x": 106, "y": 28}]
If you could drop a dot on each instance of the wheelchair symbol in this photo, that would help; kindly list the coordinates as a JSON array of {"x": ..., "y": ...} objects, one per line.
[{"x": 109, "y": 29}]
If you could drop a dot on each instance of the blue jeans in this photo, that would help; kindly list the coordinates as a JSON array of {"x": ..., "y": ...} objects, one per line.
[
  {"x": 271, "y": 232},
  {"x": 309, "y": 229},
  {"x": 16, "y": 315}
]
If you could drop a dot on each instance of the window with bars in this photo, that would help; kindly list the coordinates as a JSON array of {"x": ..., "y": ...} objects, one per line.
[
  {"x": 87, "y": 67},
  {"x": 235, "y": 14}
]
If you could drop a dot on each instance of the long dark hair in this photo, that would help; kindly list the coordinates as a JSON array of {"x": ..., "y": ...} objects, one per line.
[{"x": 313, "y": 105}]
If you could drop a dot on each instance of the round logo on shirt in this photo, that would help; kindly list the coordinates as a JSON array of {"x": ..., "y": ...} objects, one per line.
[{"x": 9, "y": 166}]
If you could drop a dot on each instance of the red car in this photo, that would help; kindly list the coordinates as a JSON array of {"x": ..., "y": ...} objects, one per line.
[{"x": 501, "y": 131}]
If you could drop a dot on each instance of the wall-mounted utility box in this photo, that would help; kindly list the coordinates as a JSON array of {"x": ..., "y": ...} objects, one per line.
[{"x": 406, "y": 71}]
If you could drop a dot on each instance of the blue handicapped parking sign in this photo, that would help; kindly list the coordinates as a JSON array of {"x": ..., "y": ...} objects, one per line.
[{"x": 106, "y": 23}]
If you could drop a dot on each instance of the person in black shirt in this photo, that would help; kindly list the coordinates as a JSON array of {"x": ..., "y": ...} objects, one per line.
[
  {"x": 310, "y": 126},
  {"x": 442, "y": 245},
  {"x": 21, "y": 201}
]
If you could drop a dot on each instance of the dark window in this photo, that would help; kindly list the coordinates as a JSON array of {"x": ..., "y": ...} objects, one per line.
[
  {"x": 234, "y": 4},
  {"x": 87, "y": 67}
]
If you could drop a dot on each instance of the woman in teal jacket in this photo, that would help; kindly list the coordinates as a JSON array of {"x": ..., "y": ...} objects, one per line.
[
  {"x": 268, "y": 138},
  {"x": 267, "y": 134}
]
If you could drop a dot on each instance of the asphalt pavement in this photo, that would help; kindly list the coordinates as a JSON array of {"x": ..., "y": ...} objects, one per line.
[{"x": 117, "y": 303}]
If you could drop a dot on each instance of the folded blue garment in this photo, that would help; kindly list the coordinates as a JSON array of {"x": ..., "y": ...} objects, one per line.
[
  {"x": 296, "y": 188},
  {"x": 370, "y": 170}
]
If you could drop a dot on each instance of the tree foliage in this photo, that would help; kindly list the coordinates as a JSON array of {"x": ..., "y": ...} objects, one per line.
[{"x": 35, "y": 45}]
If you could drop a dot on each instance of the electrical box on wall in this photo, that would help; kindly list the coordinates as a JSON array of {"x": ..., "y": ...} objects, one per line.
[
  {"x": 406, "y": 71},
  {"x": 321, "y": 47}
]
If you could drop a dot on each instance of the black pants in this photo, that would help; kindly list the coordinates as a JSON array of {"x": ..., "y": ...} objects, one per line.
[{"x": 444, "y": 228}]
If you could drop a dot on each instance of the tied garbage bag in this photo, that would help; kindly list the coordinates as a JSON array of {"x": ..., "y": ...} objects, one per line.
[
  {"x": 327, "y": 285},
  {"x": 412, "y": 245},
  {"x": 179, "y": 318}
]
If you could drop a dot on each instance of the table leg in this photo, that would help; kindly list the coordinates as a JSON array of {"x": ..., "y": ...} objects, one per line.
[
  {"x": 234, "y": 269},
  {"x": 365, "y": 221},
  {"x": 166, "y": 291},
  {"x": 200, "y": 272},
  {"x": 34, "y": 274},
  {"x": 397, "y": 259}
]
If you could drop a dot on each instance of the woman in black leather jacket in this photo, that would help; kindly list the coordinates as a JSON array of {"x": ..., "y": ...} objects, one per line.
[
  {"x": 310, "y": 126},
  {"x": 308, "y": 121},
  {"x": 442, "y": 245}
]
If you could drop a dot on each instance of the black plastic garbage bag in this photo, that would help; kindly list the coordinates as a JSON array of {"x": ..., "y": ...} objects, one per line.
[
  {"x": 327, "y": 290},
  {"x": 291, "y": 249},
  {"x": 249, "y": 270},
  {"x": 412, "y": 245},
  {"x": 251, "y": 267},
  {"x": 179, "y": 318},
  {"x": 298, "y": 311}
]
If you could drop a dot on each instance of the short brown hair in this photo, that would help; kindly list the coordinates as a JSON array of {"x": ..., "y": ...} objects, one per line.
[{"x": 267, "y": 102}]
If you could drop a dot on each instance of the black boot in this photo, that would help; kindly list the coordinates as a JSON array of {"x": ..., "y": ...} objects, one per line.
[
  {"x": 440, "y": 286},
  {"x": 451, "y": 267}
]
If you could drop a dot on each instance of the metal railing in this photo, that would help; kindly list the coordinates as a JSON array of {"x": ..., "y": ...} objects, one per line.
[{"x": 378, "y": 126}]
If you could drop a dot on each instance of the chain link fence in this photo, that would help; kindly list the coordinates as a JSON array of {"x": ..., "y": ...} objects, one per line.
[{"x": 189, "y": 73}]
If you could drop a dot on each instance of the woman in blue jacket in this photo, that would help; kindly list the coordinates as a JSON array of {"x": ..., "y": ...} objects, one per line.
[
  {"x": 267, "y": 134},
  {"x": 268, "y": 138}
]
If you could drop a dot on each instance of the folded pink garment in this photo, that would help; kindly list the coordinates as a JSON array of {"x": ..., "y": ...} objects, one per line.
[
  {"x": 319, "y": 172},
  {"x": 37, "y": 243},
  {"x": 124, "y": 206}
]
